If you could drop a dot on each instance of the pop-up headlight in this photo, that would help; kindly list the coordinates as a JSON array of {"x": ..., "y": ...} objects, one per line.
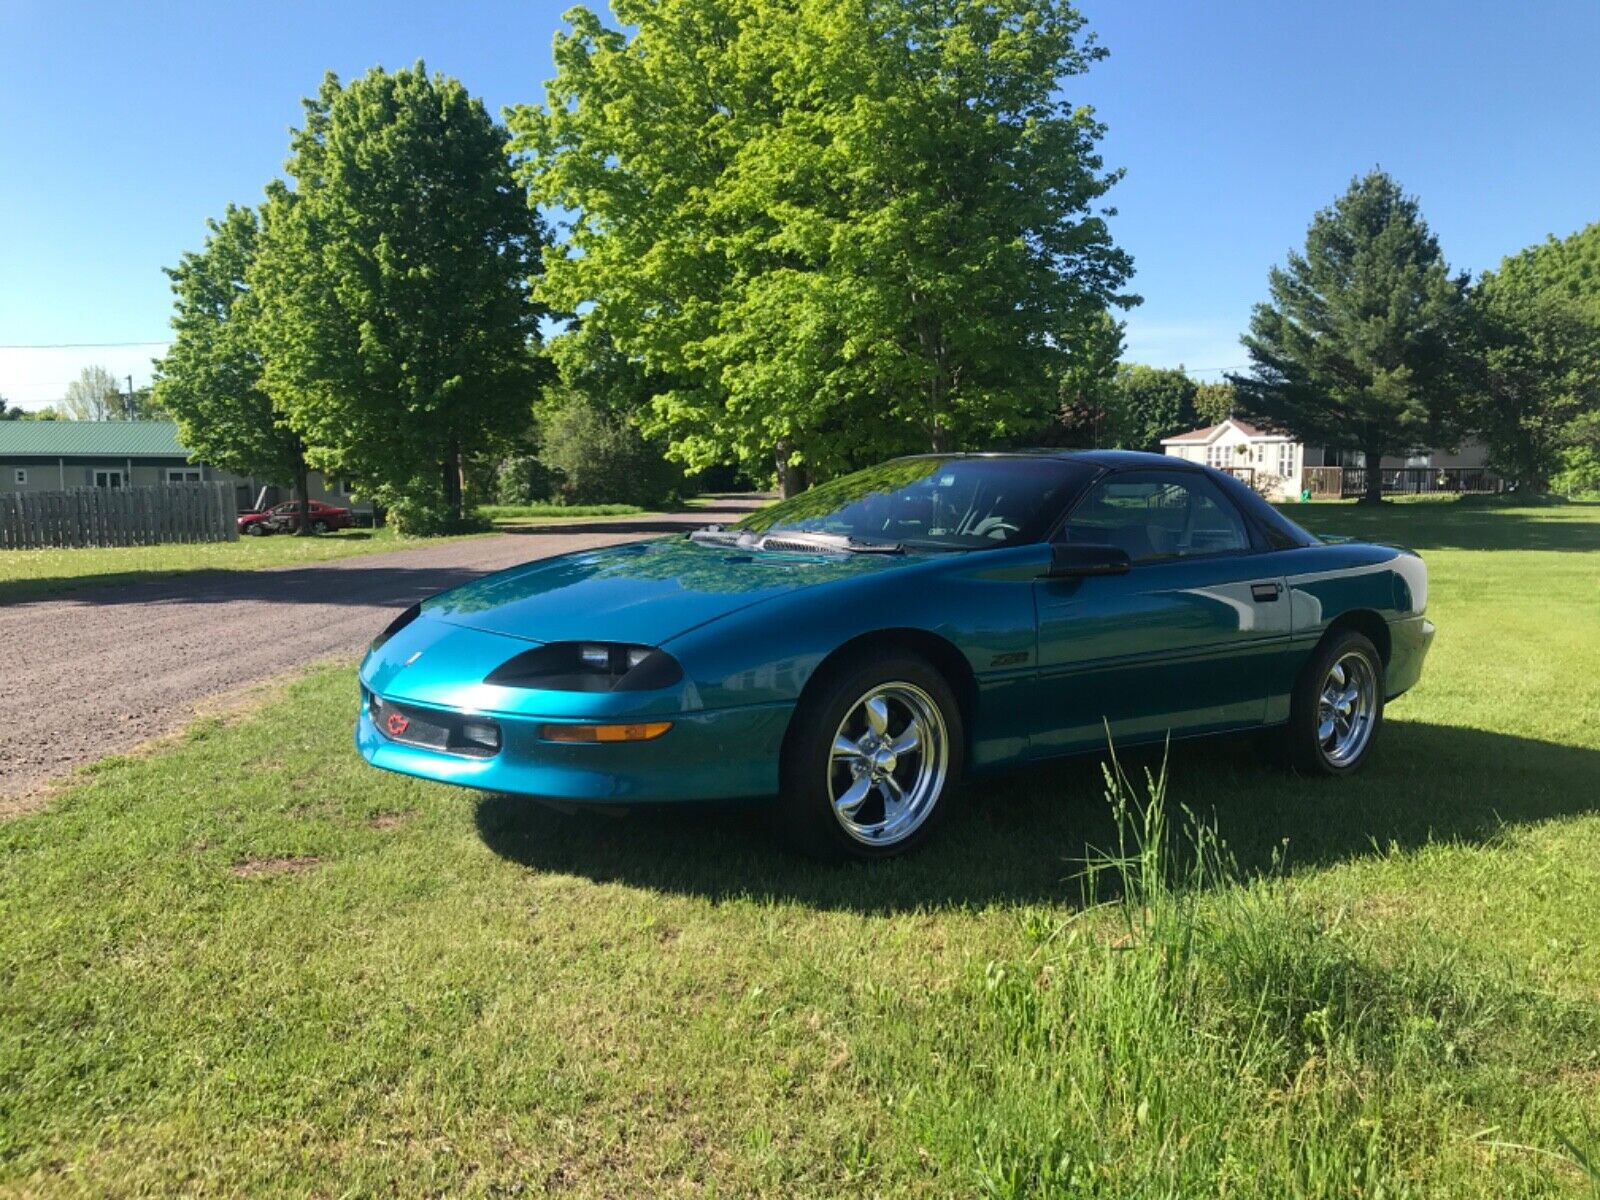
[{"x": 589, "y": 667}]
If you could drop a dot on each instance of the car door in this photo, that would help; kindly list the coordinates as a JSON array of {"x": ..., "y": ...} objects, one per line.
[{"x": 1183, "y": 643}]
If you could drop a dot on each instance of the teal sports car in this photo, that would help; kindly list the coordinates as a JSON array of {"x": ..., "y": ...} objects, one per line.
[{"x": 851, "y": 654}]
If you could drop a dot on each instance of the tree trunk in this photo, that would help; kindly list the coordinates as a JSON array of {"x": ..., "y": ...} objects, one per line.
[
  {"x": 302, "y": 499},
  {"x": 792, "y": 479},
  {"x": 452, "y": 481},
  {"x": 938, "y": 435},
  {"x": 1372, "y": 459}
]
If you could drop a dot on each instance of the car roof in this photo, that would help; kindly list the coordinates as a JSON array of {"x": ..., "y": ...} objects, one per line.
[
  {"x": 1244, "y": 497},
  {"x": 1099, "y": 458}
]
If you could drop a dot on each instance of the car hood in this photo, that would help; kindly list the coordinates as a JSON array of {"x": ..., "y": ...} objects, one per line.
[{"x": 643, "y": 592}]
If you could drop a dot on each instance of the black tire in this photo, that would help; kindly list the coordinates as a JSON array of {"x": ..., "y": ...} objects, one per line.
[
  {"x": 810, "y": 774},
  {"x": 257, "y": 529},
  {"x": 1307, "y": 750},
  {"x": 319, "y": 527}
]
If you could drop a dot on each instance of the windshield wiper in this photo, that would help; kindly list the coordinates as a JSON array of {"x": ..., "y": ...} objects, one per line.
[
  {"x": 746, "y": 539},
  {"x": 716, "y": 535}
]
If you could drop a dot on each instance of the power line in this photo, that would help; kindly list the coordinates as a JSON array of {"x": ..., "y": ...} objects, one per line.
[{"x": 84, "y": 345}]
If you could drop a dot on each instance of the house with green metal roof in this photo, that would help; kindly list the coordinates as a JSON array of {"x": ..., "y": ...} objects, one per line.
[{"x": 52, "y": 456}]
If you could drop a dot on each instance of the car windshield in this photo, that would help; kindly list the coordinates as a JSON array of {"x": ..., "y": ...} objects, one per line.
[{"x": 931, "y": 503}]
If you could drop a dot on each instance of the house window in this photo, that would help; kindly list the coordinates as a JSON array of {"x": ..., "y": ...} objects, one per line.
[
  {"x": 183, "y": 474},
  {"x": 1217, "y": 456},
  {"x": 20, "y": 477},
  {"x": 1286, "y": 460},
  {"x": 108, "y": 479}
]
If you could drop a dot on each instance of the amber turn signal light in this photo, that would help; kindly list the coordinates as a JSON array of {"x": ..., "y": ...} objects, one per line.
[{"x": 642, "y": 731}]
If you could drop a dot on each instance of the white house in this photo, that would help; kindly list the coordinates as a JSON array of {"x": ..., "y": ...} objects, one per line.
[
  {"x": 1271, "y": 462},
  {"x": 1275, "y": 463}
]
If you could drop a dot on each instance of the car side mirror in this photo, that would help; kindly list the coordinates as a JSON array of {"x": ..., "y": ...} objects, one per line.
[{"x": 1075, "y": 561}]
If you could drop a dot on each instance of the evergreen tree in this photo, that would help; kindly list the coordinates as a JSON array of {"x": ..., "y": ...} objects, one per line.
[{"x": 1366, "y": 341}]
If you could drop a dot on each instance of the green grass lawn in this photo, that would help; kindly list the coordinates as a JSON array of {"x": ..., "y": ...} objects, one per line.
[
  {"x": 26, "y": 573},
  {"x": 523, "y": 514},
  {"x": 250, "y": 964}
]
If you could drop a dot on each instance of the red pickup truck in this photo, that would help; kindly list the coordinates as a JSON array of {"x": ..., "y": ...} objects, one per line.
[{"x": 280, "y": 518}]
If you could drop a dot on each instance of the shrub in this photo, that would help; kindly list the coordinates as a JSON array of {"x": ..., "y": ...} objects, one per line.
[
  {"x": 422, "y": 512},
  {"x": 524, "y": 479},
  {"x": 1579, "y": 474},
  {"x": 604, "y": 459}
]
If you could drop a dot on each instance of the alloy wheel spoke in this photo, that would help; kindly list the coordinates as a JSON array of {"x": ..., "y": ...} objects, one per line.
[
  {"x": 843, "y": 747},
  {"x": 894, "y": 799},
  {"x": 853, "y": 796},
  {"x": 1325, "y": 730},
  {"x": 877, "y": 714},
  {"x": 910, "y": 739}
]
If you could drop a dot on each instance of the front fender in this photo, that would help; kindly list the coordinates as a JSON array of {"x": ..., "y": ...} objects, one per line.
[{"x": 981, "y": 603}]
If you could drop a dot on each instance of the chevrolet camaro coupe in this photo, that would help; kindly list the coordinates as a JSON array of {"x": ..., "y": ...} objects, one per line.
[{"x": 852, "y": 653}]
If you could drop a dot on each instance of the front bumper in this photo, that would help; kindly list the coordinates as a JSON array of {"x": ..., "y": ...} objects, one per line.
[{"x": 722, "y": 754}]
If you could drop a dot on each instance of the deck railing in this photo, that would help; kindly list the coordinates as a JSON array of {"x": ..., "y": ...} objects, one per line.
[{"x": 1424, "y": 481}]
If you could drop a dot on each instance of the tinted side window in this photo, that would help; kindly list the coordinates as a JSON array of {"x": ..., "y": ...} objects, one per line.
[{"x": 1155, "y": 515}]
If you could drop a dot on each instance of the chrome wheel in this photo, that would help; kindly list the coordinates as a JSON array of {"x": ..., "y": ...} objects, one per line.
[
  {"x": 889, "y": 763},
  {"x": 1346, "y": 709}
]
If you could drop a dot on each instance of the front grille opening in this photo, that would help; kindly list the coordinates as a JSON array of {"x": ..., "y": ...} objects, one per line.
[{"x": 445, "y": 732}]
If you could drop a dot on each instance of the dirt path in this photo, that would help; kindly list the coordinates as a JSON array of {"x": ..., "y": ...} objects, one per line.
[{"x": 97, "y": 671}]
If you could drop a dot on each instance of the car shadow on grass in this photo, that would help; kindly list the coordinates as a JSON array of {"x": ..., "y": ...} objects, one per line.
[{"x": 1021, "y": 838}]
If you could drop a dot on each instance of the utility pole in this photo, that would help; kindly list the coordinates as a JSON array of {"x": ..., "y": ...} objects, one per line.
[{"x": 129, "y": 413}]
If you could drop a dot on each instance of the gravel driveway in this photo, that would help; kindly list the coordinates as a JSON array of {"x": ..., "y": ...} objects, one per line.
[{"x": 98, "y": 671}]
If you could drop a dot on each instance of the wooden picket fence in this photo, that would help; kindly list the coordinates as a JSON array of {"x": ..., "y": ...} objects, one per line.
[{"x": 129, "y": 516}]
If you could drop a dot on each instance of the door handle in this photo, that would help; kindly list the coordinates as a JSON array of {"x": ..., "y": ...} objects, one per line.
[{"x": 1265, "y": 591}]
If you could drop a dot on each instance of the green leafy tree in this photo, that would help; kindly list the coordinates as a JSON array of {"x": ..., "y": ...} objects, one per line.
[
  {"x": 94, "y": 396},
  {"x": 398, "y": 332},
  {"x": 1366, "y": 343},
  {"x": 835, "y": 230},
  {"x": 210, "y": 379},
  {"x": 9, "y": 411},
  {"x": 142, "y": 405},
  {"x": 589, "y": 431},
  {"x": 1214, "y": 402},
  {"x": 1148, "y": 404},
  {"x": 602, "y": 457},
  {"x": 1088, "y": 383},
  {"x": 1539, "y": 315}
]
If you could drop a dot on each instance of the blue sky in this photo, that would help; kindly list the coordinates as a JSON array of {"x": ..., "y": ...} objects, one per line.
[{"x": 124, "y": 126}]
